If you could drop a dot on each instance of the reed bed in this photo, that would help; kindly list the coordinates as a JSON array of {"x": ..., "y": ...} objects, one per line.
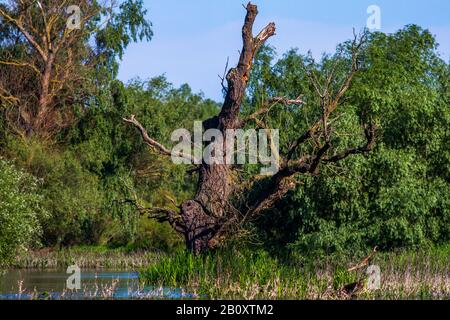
[
  {"x": 256, "y": 275},
  {"x": 86, "y": 258}
]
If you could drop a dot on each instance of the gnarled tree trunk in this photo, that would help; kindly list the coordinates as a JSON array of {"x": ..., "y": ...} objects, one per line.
[
  {"x": 207, "y": 218},
  {"x": 203, "y": 216}
]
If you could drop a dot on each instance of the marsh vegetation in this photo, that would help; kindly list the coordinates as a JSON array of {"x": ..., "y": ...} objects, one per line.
[{"x": 363, "y": 149}]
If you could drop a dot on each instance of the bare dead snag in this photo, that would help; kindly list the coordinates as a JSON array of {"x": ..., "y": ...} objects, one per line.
[
  {"x": 210, "y": 216},
  {"x": 215, "y": 181},
  {"x": 204, "y": 215}
]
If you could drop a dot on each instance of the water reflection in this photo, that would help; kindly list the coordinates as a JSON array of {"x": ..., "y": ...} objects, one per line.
[{"x": 95, "y": 284}]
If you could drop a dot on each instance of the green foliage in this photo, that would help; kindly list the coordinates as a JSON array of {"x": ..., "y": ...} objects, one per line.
[
  {"x": 154, "y": 236},
  {"x": 126, "y": 24},
  {"x": 21, "y": 210},
  {"x": 182, "y": 268},
  {"x": 397, "y": 196},
  {"x": 89, "y": 57},
  {"x": 94, "y": 168},
  {"x": 241, "y": 273},
  {"x": 69, "y": 193}
]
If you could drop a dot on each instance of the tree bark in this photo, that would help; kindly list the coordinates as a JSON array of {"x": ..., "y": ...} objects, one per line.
[
  {"x": 45, "y": 97},
  {"x": 207, "y": 218},
  {"x": 204, "y": 216}
]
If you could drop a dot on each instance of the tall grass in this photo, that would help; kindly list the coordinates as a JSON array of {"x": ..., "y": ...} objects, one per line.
[
  {"x": 244, "y": 274},
  {"x": 86, "y": 257},
  {"x": 184, "y": 268},
  {"x": 255, "y": 274}
]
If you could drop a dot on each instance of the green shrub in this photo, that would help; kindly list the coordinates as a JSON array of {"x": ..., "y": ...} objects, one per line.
[
  {"x": 20, "y": 211},
  {"x": 397, "y": 196},
  {"x": 153, "y": 235},
  {"x": 71, "y": 194},
  {"x": 243, "y": 266}
]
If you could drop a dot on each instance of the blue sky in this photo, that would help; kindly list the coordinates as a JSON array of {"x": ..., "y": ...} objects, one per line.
[{"x": 193, "y": 38}]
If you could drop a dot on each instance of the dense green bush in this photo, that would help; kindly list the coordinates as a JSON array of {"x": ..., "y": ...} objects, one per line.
[
  {"x": 20, "y": 212},
  {"x": 69, "y": 192},
  {"x": 396, "y": 196},
  {"x": 90, "y": 172}
]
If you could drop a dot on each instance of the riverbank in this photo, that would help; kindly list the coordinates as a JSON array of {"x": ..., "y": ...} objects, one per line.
[
  {"x": 254, "y": 274},
  {"x": 420, "y": 274},
  {"x": 89, "y": 257}
]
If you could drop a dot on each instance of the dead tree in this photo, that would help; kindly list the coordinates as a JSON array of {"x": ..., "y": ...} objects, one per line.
[{"x": 207, "y": 219}]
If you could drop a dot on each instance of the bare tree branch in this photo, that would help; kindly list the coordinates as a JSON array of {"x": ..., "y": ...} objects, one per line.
[
  {"x": 25, "y": 33},
  {"x": 168, "y": 215},
  {"x": 330, "y": 101},
  {"x": 271, "y": 102},
  {"x": 238, "y": 77},
  {"x": 155, "y": 144},
  {"x": 370, "y": 144}
]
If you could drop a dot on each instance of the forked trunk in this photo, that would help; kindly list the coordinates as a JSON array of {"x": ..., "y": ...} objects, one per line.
[
  {"x": 205, "y": 215},
  {"x": 209, "y": 217}
]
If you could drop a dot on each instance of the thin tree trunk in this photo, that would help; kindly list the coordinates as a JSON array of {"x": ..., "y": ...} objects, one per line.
[{"x": 45, "y": 97}]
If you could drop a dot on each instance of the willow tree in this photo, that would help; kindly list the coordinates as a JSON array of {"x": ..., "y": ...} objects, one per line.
[
  {"x": 224, "y": 202},
  {"x": 50, "y": 52}
]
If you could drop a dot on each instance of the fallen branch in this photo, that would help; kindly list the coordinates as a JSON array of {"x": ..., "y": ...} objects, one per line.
[{"x": 365, "y": 262}]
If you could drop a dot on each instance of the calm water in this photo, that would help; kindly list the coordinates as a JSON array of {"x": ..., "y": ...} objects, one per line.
[{"x": 95, "y": 284}]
